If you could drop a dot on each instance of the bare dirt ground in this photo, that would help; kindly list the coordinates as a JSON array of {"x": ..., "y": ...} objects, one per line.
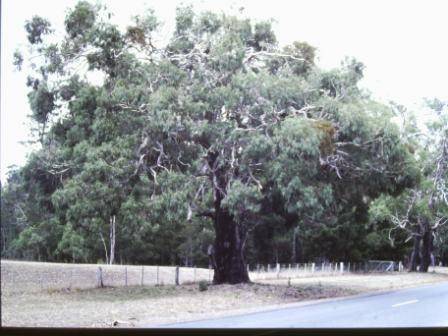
[{"x": 150, "y": 305}]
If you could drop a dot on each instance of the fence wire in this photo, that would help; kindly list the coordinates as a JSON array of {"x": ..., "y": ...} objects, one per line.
[{"x": 22, "y": 276}]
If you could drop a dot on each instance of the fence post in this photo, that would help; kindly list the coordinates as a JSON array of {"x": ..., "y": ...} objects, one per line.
[
  {"x": 157, "y": 276},
  {"x": 278, "y": 270},
  {"x": 268, "y": 269},
  {"x": 143, "y": 273},
  {"x": 99, "y": 276},
  {"x": 400, "y": 266},
  {"x": 194, "y": 274},
  {"x": 313, "y": 267},
  {"x": 209, "y": 273},
  {"x": 126, "y": 276},
  {"x": 176, "y": 280},
  {"x": 342, "y": 267}
]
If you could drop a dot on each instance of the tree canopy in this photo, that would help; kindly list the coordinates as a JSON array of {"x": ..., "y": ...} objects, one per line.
[{"x": 219, "y": 136}]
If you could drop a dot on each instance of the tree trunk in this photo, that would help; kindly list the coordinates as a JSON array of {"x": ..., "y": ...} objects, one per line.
[
  {"x": 105, "y": 247},
  {"x": 112, "y": 240},
  {"x": 229, "y": 236},
  {"x": 229, "y": 260},
  {"x": 293, "y": 254},
  {"x": 427, "y": 242},
  {"x": 415, "y": 255}
]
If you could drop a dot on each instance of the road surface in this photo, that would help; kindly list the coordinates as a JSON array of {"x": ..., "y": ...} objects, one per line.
[{"x": 425, "y": 306}]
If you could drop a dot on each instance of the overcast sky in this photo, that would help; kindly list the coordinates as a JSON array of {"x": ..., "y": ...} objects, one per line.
[{"x": 402, "y": 43}]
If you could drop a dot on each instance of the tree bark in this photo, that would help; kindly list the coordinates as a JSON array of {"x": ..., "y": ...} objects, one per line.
[
  {"x": 427, "y": 243},
  {"x": 297, "y": 248},
  {"x": 112, "y": 240},
  {"x": 105, "y": 247},
  {"x": 230, "y": 266},
  {"x": 294, "y": 251},
  {"x": 415, "y": 255}
]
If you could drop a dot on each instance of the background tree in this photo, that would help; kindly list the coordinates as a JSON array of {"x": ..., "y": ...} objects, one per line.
[{"x": 420, "y": 213}]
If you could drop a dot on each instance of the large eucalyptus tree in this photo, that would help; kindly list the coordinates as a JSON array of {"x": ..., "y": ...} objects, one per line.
[{"x": 218, "y": 123}]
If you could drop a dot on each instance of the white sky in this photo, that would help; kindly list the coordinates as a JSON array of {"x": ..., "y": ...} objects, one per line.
[{"x": 403, "y": 44}]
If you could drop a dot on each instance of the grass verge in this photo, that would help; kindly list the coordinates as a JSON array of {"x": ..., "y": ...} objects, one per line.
[{"x": 152, "y": 305}]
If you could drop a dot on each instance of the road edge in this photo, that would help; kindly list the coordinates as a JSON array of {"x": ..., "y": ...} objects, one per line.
[{"x": 246, "y": 311}]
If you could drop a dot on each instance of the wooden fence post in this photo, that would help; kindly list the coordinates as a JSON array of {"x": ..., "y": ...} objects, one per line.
[
  {"x": 143, "y": 274},
  {"x": 177, "y": 276},
  {"x": 313, "y": 267},
  {"x": 341, "y": 267},
  {"x": 126, "y": 276},
  {"x": 194, "y": 274},
  {"x": 99, "y": 277},
  {"x": 278, "y": 270},
  {"x": 157, "y": 275}
]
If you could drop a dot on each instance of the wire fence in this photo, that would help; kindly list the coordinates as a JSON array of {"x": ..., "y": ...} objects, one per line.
[
  {"x": 270, "y": 271},
  {"x": 24, "y": 276}
]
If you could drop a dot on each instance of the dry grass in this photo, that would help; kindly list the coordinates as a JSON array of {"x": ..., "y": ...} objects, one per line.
[
  {"x": 370, "y": 282},
  {"x": 27, "y": 303},
  {"x": 133, "y": 306},
  {"x": 442, "y": 270},
  {"x": 32, "y": 277}
]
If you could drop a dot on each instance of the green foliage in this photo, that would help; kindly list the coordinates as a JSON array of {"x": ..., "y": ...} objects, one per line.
[
  {"x": 140, "y": 33},
  {"x": 80, "y": 20},
  {"x": 36, "y": 28},
  {"x": 18, "y": 60},
  {"x": 220, "y": 118},
  {"x": 263, "y": 36},
  {"x": 42, "y": 102},
  {"x": 203, "y": 286}
]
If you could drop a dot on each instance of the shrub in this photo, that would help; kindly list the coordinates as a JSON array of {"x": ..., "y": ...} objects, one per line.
[{"x": 203, "y": 285}]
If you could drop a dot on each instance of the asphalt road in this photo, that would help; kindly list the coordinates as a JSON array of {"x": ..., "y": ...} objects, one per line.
[{"x": 425, "y": 306}]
